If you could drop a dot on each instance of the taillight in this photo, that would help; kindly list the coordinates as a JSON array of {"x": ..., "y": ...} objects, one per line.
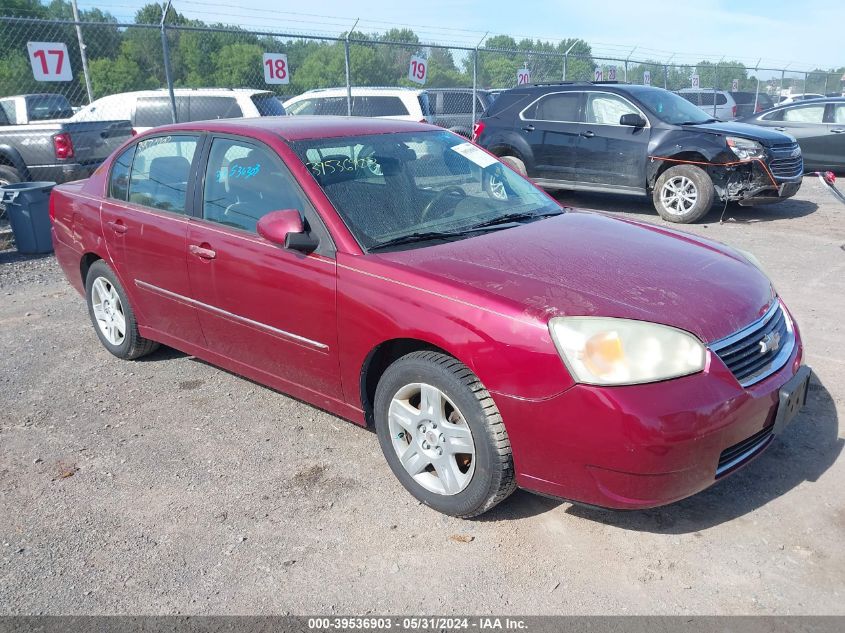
[
  {"x": 63, "y": 145},
  {"x": 733, "y": 111},
  {"x": 134, "y": 132},
  {"x": 423, "y": 120},
  {"x": 477, "y": 129}
]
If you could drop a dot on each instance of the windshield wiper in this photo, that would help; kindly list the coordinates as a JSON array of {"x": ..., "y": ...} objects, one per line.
[
  {"x": 511, "y": 218},
  {"x": 711, "y": 120},
  {"x": 422, "y": 236}
]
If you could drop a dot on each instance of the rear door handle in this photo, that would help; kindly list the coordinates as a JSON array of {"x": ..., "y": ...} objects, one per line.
[
  {"x": 203, "y": 252},
  {"x": 780, "y": 129},
  {"x": 838, "y": 130},
  {"x": 588, "y": 134},
  {"x": 528, "y": 128},
  {"x": 118, "y": 227}
]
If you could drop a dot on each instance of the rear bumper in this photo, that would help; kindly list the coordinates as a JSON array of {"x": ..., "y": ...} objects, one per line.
[{"x": 641, "y": 446}]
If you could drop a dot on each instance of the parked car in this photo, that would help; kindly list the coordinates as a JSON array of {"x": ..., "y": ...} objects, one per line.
[
  {"x": 24, "y": 109},
  {"x": 718, "y": 104},
  {"x": 642, "y": 140},
  {"x": 785, "y": 99},
  {"x": 453, "y": 108},
  {"x": 493, "y": 338},
  {"x": 819, "y": 127},
  {"x": 404, "y": 104},
  {"x": 747, "y": 103},
  {"x": 56, "y": 151},
  {"x": 152, "y": 108}
]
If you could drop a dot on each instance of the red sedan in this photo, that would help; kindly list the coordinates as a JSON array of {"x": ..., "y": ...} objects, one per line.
[{"x": 397, "y": 275}]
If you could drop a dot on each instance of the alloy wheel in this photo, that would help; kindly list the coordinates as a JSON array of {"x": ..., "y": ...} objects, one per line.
[
  {"x": 678, "y": 195},
  {"x": 108, "y": 311}
]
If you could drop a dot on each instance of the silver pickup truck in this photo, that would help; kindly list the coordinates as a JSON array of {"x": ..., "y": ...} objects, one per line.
[{"x": 56, "y": 150}]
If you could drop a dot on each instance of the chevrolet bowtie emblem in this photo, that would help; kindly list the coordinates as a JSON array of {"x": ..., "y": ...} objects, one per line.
[{"x": 770, "y": 342}]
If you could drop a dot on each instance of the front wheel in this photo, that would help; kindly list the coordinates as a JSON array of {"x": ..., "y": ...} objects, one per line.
[
  {"x": 683, "y": 194},
  {"x": 442, "y": 434}
]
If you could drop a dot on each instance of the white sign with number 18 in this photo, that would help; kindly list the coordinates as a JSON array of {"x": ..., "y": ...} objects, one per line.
[
  {"x": 50, "y": 61},
  {"x": 276, "y": 69}
]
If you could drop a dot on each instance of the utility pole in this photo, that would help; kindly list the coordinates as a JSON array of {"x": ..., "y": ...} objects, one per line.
[
  {"x": 165, "y": 47},
  {"x": 348, "y": 62},
  {"x": 82, "y": 53}
]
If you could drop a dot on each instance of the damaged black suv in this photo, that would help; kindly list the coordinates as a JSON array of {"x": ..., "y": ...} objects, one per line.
[{"x": 631, "y": 139}]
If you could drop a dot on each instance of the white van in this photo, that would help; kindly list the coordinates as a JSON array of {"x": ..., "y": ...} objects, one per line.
[{"x": 408, "y": 104}]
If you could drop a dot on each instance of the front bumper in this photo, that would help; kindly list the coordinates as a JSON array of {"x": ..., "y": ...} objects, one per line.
[{"x": 640, "y": 446}]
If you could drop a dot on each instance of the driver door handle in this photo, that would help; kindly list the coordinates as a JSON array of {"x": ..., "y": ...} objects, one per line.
[
  {"x": 202, "y": 251},
  {"x": 528, "y": 128},
  {"x": 588, "y": 134},
  {"x": 780, "y": 129},
  {"x": 118, "y": 227}
]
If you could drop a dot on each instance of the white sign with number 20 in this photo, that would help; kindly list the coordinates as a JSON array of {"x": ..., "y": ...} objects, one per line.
[
  {"x": 49, "y": 61},
  {"x": 523, "y": 77}
]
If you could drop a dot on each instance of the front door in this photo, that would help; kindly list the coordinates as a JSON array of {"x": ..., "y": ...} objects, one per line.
[
  {"x": 145, "y": 226},
  {"x": 264, "y": 306},
  {"x": 610, "y": 154}
]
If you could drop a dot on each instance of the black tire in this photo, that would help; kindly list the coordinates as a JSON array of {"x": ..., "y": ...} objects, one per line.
[
  {"x": 8, "y": 175},
  {"x": 133, "y": 344},
  {"x": 492, "y": 479},
  {"x": 704, "y": 193}
]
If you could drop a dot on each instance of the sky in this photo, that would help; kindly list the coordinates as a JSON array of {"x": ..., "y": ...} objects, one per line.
[{"x": 781, "y": 32}]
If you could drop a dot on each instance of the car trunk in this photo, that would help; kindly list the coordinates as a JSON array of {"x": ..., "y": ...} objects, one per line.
[{"x": 94, "y": 141}]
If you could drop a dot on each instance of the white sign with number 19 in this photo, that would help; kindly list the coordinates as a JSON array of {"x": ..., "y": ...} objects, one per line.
[
  {"x": 418, "y": 69},
  {"x": 49, "y": 61}
]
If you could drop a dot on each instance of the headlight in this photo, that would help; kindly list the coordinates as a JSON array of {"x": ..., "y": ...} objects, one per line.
[
  {"x": 745, "y": 148},
  {"x": 609, "y": 351}
]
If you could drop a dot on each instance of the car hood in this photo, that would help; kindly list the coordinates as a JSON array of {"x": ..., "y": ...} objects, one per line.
[
  {"x": 585, "y": 264},
  {"x": 764, "y": 135}
]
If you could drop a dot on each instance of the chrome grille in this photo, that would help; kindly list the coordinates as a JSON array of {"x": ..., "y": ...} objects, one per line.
[
  {"x": 783, "y": 164},
  {"x": 760, "y": 349}
]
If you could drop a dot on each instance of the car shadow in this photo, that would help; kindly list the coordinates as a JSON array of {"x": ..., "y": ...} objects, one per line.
[
  {"x": 640, "y": 205},
  {"x": 808, "y": 447},
  {"x": 161, "y": 354},
  {"x": 12, "y": 256}
]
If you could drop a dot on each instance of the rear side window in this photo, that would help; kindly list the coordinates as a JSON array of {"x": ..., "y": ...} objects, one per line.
[
  {"x": 152, "y": 112},
  {"x": 378, "y": 106},
  {"x": 268, "y": 105},
  {"x": 331, "y": 106},
  {"x": 160, "y": 172},
  {"x": 805, "y": 114},
  {"x": 456, "y": 103},
  {"x": 119, "y": 179},
  {"x": 563, "y": 106},
  {"x": 204, "y": 108}
]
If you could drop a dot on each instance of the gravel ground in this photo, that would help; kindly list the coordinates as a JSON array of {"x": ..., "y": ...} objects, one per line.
[{"x": 169, "y": 486}]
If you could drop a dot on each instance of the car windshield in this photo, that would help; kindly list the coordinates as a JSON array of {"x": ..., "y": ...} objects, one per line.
[
  {"x": 671, "y": 108},
  {"x": 414, "y": 188},
  {"x": 44, "y": 107}
]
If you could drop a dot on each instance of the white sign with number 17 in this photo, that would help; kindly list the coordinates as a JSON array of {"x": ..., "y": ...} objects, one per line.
[
  {"x": 418, "y": 69},
  {"x": 50, "y": 61}
]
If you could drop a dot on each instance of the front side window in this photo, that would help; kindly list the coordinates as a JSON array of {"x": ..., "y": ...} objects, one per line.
[
  {"x": 244, "y": 182},
  {"x": 670, "y": 108},
  {"x": 401, "y": 186},
  {"x": 119, "y": 178},
  {"x": 607, "y": 109},
  {"x": 160, "y": 172},
  {"x": 332, "y": 106},
  {"x": 306, "y": 106},
  {"x": 562, "y": 107},
  {"x": 805, "y": 114}
]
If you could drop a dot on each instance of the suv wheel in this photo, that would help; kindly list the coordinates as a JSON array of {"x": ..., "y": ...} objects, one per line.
[{"x": 683, "y": 194}]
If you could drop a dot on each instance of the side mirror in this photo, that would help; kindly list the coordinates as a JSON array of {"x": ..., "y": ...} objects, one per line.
[
  {"x": 633, "y": 120},
  {"x": 286, "y": 228}
]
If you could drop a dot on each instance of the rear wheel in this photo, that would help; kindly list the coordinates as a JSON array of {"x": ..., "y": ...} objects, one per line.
[
  {"x": 112, "y": 316},
  {"x": 442, "y": 434},
  {"x": 683, "y": 194}
]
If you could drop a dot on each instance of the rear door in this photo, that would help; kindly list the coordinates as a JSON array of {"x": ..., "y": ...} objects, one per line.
[
  {"x": 551, "y": 125},
  {"x": 264, "y": 306},
  {"x": 145, "y": 223},
  {"x": 611, "y": 154}
]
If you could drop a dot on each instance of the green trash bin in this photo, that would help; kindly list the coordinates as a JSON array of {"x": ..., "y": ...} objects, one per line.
[{"x": 28, "y": 209}]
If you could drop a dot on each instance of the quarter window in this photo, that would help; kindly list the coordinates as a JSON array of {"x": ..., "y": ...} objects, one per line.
[
  {"x": 839, "y": 113},
  {"x": 160, "y": 172},
  {"x": 119, "y": 179},
  {"x": 244, "y": 182},
  {"x": 607, "y": 109}
]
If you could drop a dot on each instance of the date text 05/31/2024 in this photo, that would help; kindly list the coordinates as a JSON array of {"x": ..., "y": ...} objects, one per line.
[{"x": 416, "y": 623}]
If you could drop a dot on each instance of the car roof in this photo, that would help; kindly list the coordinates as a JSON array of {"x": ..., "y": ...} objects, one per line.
[
  {"x": 297, "y": 128},
  {"x": 360, "y": 90},
  {"x": 187, "y": 91}
]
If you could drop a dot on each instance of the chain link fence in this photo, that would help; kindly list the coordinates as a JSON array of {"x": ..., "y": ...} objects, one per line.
[{"x": 181, "y": 63}]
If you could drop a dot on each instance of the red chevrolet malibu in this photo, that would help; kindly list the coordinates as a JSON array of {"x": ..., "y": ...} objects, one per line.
[{"x": 397, "y": 275}]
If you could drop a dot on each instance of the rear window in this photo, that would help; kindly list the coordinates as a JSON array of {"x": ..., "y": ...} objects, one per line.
[
  {"x": 377, "y": 106},
  {"x": 456, "y": 103},
  {"x": 268, "y": 105},
  {"x": 43, "y": 107},
  {"x": 203, "y": 108}
]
